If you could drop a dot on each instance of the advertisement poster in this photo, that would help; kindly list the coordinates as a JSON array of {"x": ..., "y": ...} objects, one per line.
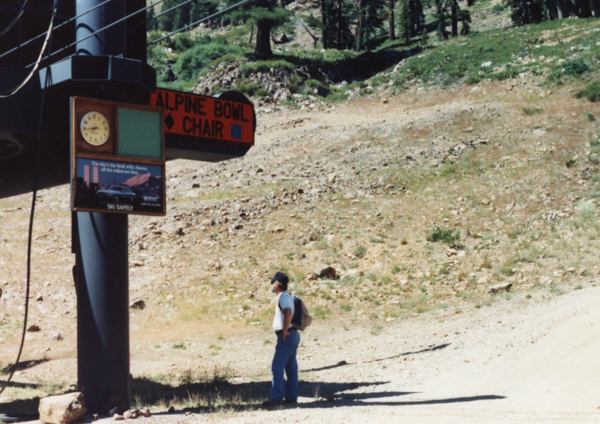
[{"x": 105, "y": 185}]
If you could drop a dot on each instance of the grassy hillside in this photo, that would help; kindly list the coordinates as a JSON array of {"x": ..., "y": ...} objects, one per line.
[{"x": 553, "y": 53}]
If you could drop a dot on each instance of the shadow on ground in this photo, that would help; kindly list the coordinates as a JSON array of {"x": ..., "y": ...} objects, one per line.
[
  {"x": 344, "y": 363},
  {"x": 209, "y": 393}
]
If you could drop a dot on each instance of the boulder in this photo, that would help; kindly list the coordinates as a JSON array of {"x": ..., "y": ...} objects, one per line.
[
  {"x": 504, "y": 287},
  {"x": 115, "y": 405},
  {"x": 63, "y": 409},
  {"x": 131, "y": 414},
  {"x": 137, "y": 304},
  {"x": 325, "y": 271}
]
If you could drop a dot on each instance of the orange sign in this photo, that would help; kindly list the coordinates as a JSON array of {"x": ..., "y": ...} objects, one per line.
[{"x": 205, "y": 117}]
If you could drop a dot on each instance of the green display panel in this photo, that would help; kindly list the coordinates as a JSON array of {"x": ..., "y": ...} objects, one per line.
[{"x": 140, "y": 133}]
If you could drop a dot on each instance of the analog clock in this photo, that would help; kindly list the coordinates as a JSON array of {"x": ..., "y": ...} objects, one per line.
[{"x": 95, "y": 128}]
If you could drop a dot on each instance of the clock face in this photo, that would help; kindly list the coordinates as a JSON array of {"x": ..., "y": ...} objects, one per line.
[{"x": 94, "y": 128}]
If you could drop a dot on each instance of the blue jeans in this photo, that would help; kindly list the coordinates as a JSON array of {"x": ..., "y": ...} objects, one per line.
[{"x": 285, "y": 360}]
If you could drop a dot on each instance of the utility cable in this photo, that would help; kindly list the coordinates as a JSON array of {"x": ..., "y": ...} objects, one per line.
[
  {"x": 55, "y": 28},
  {"x": 100, "y": 30},
  {"x": 36, "y": 180},
  {"x": 16, "y": 18},
  {"x": 172, "y": 8},
  {"x": 198, "y": 22},
  {"x": 39, "y": 59}
]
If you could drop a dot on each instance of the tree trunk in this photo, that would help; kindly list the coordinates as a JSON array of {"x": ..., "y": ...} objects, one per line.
[
  {"x": 361, "y": 23},
  {"x": 454, "y": 15},
  {"x": 315, "y": 39},
  {"x": 340, "y": 23},
  {"x": 251, "y": 33},
  {"x": 324, "y": 33},
  {"x": 584, "y": 10},
  {"x": 263, "y": 39},
  {"x": 391, "y": 32},
  {"x": 596, "y": 7}
]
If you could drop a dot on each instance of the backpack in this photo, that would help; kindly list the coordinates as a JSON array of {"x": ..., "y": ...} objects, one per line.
[{"x": 301, "y": 318}]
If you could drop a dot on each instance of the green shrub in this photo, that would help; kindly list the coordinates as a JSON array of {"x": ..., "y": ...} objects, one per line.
[
  {"x": 264, "y": 66},
  {"x": 506, "y": 74},
  {"x": 498, "y": 8},
  {"x": 532, "y": 110},
  {"x": 360, "y": 252},
  {"x": 447, "y": 236},
  {"x": 316, "y": 87},
  {"x": 591, "y": 92},
  {"x": 261, "y": 92},
  {"x": 446, "y": 170},
  {"x": 576, "y": 67},
  {"x": 191, "y": 63},
  {"x": 473, "y": 80}
]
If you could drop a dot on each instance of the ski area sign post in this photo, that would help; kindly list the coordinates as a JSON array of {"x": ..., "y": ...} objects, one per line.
[
  {"x": 205, "y": 128},
  {"x": 118, "y": 162},
  {"x": 101, "y": 94}
]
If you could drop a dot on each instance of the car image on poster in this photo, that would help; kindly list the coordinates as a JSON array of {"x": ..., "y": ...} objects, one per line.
[{"x": 103, "y": 185}]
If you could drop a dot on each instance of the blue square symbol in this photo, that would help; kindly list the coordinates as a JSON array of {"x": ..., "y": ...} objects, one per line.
[{"x": 236, "y": 131}]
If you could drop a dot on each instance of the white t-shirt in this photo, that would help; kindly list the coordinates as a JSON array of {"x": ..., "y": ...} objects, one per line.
[{"x": 285, "y": 301}]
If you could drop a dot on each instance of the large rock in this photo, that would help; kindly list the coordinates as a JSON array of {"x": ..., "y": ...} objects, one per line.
[
  {"x": 63, "y": 409},
  {"x": 325, "y": 271}
]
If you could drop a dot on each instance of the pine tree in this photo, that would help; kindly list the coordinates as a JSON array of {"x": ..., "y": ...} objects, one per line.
[
  {"x": 441, "y": 17},
  {"x": 267, "y": 15},
  {"x": 166, "y": 21},
  {"x": 456, "y": 15},
  {"x": 201, "y": 9},
  {"x": 151, "y": 23},
  {"x": 391, "y": 19},
  {"x": 361, "y": 24},
  {"x": 412, "y": 19}
]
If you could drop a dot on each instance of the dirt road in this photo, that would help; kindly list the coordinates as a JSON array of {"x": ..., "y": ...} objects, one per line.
[{"x": 523, "y": 360}]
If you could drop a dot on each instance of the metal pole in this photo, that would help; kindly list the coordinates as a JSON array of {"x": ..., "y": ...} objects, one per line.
[
  {"x": 100, "y": 242},
  {"x": 102, "y": 276}
]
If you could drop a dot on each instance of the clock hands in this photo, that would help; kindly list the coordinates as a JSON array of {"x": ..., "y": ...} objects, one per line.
[{"x": 90, "y": 128}]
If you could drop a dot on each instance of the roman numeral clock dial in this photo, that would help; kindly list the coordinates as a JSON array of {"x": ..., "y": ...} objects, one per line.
[{"x": 95, "y": 128}]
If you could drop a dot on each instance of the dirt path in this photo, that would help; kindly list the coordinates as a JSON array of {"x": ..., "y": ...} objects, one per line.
[{"x": 520, "y": 360}]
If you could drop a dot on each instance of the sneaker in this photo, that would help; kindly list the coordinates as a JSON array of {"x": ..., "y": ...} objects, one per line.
[
  {"x": 290, "y": 401},
  {"x": 272, "y": 402}
]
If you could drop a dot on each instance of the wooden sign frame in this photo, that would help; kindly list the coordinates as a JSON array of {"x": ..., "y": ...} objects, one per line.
[{"x": 93, "y": 166}]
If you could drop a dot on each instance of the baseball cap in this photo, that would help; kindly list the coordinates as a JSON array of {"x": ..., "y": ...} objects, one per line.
[{"x": 281, "y": 277}]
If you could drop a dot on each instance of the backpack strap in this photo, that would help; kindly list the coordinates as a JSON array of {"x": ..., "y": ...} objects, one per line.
[{"x": 280, "y": 308}]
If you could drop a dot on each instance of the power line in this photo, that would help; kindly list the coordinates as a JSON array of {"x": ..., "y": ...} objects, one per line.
[
  {"x": 32, "y": 212},
  {"x": 101, "y": 30},
  {"x": 16, "y": 18},
  {"x": 198, "y": 22},
  {"x": 55, "y": 28},
  {"x": 39, "y": 59},
  {"x": 173, "y": 8}
]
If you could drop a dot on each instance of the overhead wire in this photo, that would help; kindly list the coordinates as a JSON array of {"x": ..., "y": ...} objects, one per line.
[
  {"x": 37, "y": 62},
  {"x": 15, "y": 19},
  {"x": 68, "y": 21},
  {"x": 100, "y": 30},
  {"x": 198, "y": 22},
  {"x": 172, "y": 8},
  {"x": 36, "y": 179}
]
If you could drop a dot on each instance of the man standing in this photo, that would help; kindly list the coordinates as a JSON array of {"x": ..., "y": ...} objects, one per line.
[{"x": 288, "y": 340}]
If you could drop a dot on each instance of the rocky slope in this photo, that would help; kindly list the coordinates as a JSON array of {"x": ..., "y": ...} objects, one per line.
[{"x": 358, "y": 187}]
